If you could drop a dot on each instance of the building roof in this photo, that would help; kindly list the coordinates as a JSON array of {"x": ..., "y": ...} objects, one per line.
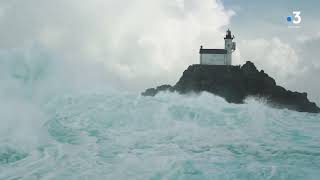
[{"x": 213, "y": 51}]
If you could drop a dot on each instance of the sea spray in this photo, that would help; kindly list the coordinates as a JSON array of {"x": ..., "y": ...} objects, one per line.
[
  {"x": 170, "y": 136},
  {"x": 61, "y": 120}
]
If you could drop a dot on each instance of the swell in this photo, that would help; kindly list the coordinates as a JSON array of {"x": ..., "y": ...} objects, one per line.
[
  {"x": 54, "y": 127},
  {"x": 169, "y": 136}
]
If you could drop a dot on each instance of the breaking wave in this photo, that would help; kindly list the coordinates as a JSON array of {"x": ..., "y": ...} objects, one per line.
[{"x": 52, "y": 130}]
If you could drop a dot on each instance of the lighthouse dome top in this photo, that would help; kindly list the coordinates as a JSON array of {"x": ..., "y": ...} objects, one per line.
[{"x": 229, "y": 35}]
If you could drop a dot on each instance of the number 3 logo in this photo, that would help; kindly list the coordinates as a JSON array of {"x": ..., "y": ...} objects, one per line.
[{"x": 297, "y": 17}]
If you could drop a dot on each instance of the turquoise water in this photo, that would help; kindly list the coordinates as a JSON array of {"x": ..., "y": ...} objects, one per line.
[
  {"x": 126, "y": 136},
  {"x": 58, "y": 123}
]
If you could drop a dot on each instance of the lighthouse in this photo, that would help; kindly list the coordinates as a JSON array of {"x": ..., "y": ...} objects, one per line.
[
  {"x": 219, "y": 56},
  {"x": 230, "y": 46}
]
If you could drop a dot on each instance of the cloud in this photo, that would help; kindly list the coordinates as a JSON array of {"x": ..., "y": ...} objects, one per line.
[
  {"x": 140, "y": 42},
  {"x": 277, "y": 58},
  {"x": 136, "y": 44},
  {"x": 70, "y": 47},
  {"x": 309, "y": 61},
  {"x": 295, "y": 67}
]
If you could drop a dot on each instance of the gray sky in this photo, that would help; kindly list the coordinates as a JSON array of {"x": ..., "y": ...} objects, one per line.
[
  {"x": 287, "y": 54},
  {"x": 141, "y": 43}
]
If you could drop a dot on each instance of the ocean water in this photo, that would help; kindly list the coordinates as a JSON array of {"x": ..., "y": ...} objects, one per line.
[
  {"x": 70, "y": 134},
  {"x": 126, "y": 136}
]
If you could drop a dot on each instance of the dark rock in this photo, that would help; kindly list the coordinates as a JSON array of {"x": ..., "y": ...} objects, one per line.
[
  {"x": 154, "y": 91},
  {"x": 235, "y": 83}
]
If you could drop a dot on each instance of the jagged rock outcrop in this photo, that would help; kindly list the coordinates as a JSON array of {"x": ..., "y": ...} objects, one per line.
[{"x": 235, "y": 83}]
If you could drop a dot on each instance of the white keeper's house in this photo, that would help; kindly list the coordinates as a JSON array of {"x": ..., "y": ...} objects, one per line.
[{"x": 219, "y": 56}]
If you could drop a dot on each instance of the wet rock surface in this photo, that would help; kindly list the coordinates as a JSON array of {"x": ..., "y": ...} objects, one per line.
[{"x": 235, "y": 83}]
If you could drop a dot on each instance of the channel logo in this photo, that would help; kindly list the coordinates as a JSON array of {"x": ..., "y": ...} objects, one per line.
[{"x": 295, "y": 18}]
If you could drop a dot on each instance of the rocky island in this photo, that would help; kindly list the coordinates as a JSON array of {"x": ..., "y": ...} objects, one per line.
[{"x": 235, "y": 83}]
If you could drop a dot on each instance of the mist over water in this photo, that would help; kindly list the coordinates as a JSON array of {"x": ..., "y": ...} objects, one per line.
[{"x": 60, "y": 120}]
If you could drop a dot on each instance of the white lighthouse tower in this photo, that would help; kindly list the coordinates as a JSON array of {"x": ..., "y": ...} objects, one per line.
[
  {"x": 229, "y": 46},
  {"x": 219, "y": 56}
]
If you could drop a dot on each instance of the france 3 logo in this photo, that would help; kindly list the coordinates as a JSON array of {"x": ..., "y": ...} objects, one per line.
[{"x": 294, "y": 19}]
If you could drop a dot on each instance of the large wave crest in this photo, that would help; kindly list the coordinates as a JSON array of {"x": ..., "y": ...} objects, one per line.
[{"x": 57, "y": 122}]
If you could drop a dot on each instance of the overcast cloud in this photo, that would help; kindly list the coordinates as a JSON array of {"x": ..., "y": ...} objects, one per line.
[{"x": 140, "y": 43}]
